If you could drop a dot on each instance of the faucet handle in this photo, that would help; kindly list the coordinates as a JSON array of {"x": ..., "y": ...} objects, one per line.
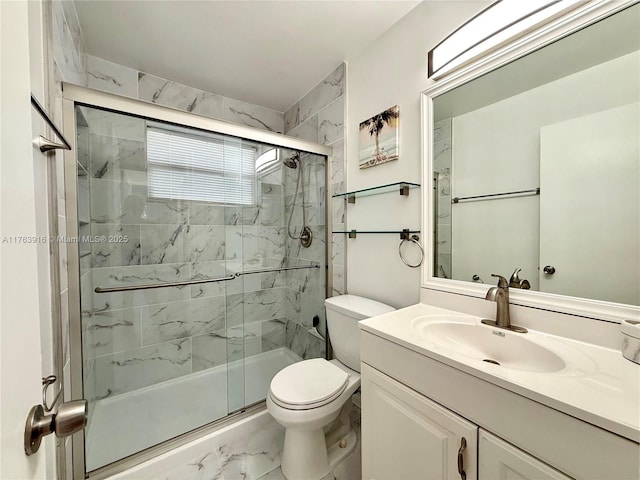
[
  {"x": 514, "y": 281},
  {"x": 502, "y": 282}
]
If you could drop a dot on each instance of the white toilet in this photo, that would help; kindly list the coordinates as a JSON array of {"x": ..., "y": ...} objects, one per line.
[{"x": 312, "y": 398}]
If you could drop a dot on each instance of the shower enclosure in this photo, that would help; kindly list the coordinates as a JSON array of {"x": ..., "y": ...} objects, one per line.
[{"x": 201, "y": 267}]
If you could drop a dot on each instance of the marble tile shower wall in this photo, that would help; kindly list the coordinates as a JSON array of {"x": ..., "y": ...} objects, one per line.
[
  {"x": 297, "y": 296},
  {"x": 135, "y": 339},
  {"x": 442, "y": 166},
  {"x": 115, "y": 78},
  {"x": 64, "y": 43},
  {"x": 320, "y": 117},
  {"x": 67, "y": 43},
  {"x": 305, "y": 290},
  {"x": 291, "y": 291}
]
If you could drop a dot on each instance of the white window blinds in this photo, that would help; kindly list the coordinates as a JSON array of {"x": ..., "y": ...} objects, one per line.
[{"x": 211, "y": 168}]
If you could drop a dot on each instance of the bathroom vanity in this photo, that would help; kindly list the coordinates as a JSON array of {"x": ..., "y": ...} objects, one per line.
[
  {"x": 543, "y": 406},
  {"x": 445, "y": 396}
]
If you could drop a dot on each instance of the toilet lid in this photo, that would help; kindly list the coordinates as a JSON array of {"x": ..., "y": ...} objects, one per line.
[{"x": 312, "y": 382}]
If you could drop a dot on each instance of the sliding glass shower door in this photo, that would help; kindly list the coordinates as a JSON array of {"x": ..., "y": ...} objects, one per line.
[{"x": 195, "y": 290}]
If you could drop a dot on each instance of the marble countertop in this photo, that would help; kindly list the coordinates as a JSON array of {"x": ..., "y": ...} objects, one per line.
[{"x": 598, "y": 385}]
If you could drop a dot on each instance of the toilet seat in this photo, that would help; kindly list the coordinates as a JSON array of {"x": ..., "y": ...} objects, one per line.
[{"x": 308, "y": 384}]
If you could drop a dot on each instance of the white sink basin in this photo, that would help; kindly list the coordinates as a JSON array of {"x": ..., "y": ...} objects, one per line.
[{"x": 489, "y": 344}]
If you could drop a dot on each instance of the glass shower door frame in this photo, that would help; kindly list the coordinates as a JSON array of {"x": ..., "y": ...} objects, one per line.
[{"x": 72, "y": 96}]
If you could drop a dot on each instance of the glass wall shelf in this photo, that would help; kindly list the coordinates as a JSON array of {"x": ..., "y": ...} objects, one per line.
[{"x": 401, "y": 187}]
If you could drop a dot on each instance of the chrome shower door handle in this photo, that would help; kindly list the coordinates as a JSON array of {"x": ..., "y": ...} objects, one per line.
[{"x": 463, "y": 447}]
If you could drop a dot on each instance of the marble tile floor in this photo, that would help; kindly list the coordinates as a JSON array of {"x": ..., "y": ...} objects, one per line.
[
  {"x": 349, "y": 469},
  {"x": 256, "y": 456}
]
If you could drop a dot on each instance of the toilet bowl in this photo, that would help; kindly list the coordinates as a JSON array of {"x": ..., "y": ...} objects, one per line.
[
  {"x": 312, "y": 399},
  {"x": 306, "y": 454}
]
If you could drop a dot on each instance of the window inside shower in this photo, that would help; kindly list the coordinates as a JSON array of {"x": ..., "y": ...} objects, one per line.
[
  {"x": 205, "y": 167},
  {"x": 193, "y": 295}
]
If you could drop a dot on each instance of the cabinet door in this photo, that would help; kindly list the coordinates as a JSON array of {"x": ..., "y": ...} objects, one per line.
[
  {"x": 500, "y": 460},
  {"x": 405, "y": 436}
]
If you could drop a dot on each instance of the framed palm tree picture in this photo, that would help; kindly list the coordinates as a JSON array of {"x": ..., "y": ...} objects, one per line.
[{"x": 379, "y": 138}]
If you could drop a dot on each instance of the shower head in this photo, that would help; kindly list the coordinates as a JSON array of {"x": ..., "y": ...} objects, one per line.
[{"x": 292, "y": 161}]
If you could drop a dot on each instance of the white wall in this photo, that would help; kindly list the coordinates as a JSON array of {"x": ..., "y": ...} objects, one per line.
[
  {"x": 392, "y": 71},
  {"x": 24, "y": 276}
]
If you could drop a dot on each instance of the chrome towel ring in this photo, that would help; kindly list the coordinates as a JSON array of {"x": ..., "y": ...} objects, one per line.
[{"x": 413, "y": 239}]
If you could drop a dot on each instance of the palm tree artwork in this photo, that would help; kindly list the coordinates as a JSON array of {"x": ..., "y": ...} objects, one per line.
[{"x": 379, "y": 138}]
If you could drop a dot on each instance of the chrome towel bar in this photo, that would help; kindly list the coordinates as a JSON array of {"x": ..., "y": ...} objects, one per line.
[
  {"x": 534, "y": 191},
  {"x": 44, "y": 144},
  {"x": 233, "y": 276}
]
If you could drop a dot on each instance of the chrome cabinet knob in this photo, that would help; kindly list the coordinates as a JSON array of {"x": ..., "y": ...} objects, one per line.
[{"x": 549, "y": 269}]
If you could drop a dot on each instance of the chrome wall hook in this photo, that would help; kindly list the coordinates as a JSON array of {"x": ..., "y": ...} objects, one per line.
[{"x": 46, "y": 383}]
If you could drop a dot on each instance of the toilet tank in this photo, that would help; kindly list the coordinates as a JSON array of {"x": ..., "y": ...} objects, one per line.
[{"x": 343, "y": 314}]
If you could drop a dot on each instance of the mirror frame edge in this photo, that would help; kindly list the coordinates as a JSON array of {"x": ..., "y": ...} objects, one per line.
[{"x": 556, "y": 29}]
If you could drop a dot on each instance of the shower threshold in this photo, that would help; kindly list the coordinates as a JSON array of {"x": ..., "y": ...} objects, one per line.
[{"x": 131, "y": 422}]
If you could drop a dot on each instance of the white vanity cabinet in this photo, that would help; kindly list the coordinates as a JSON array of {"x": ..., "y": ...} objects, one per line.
[
  {"x": 499, "y": 460},
  {"x": 416, "y": 410},
  {"x": 406, "y": 436}
]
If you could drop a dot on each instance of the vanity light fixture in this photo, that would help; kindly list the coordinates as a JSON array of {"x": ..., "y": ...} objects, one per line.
[
  {"x": 267, "y": 161},
  {"x": 493, "y": 27}
]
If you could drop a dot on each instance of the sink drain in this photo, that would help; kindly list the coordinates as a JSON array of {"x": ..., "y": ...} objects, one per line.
[{"x": 488, "y": 360}]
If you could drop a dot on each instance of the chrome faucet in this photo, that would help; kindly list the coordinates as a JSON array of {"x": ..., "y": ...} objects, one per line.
[
  {"x": 500, "y": 295},
  {"x": 515, "y": 282}
]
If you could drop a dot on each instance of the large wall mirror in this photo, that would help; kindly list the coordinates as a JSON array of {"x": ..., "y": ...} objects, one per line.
[{"x": 535, "y": 165}]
